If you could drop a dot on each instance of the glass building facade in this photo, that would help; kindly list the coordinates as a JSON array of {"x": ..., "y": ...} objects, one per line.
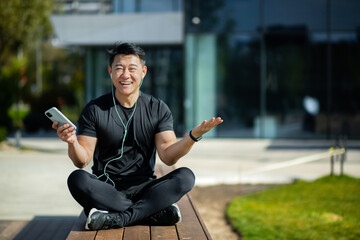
[
  {"x": 269, "y": 68},
  {"x": 283, "y": 69}
]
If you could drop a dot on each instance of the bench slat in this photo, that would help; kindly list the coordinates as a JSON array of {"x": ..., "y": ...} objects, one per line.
[
  {"x": 187, "y": 205},
  {"x": 78, "y": 231},
  {"x": 136, "y": 232},
  {"x": 199, "y": 218},
  {"x": 190, "y": 227},
  {"x": 9, "y": 229},
  {"x": 110, "y": 234},
  {"x": 164, "y": 233}
]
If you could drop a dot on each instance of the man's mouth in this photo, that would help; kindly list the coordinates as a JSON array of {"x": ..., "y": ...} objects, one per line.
[{"x": 125, "y": 83}]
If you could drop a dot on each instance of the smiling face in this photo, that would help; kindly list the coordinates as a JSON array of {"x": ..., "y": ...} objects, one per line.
[{"x": 127, "y": 72}]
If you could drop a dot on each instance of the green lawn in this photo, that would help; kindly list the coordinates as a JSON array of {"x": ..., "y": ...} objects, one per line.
[{"x": 328, "y": 208}]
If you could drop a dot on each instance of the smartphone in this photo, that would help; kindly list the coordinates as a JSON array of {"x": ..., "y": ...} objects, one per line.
[{"x": 55, "y": 115}]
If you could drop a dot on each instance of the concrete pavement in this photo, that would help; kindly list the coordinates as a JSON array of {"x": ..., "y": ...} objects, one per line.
[{"x": 33, "y": 181}]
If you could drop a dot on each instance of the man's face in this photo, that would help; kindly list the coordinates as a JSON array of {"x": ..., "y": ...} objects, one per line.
[{"x": 127, "y": 73}]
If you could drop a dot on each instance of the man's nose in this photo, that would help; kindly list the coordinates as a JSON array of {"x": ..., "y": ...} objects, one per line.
[{"x": 126, "y": 73}]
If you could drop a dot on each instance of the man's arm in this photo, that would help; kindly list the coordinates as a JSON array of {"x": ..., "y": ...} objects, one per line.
[
  {"x": 80, "y": 148},
  {"x": 170, "y": 150}
]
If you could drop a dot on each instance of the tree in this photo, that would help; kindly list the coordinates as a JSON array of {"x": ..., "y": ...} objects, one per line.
[{"x": 22, "y": 22}]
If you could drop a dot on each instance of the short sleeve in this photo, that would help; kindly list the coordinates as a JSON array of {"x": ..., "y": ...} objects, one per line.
[
  {"x": 165, "y": 118},
  {"x": 87, "y": 121}
]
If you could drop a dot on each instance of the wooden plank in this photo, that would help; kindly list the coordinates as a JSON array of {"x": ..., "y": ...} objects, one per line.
[
  {"x": 33, "y": 230},
  {"x": 187, "y": 208},
  {"x": 9, "y": 229},
  {"x": 78, "y": 231},
  {"x": 76, "y": 235},
  {"x": 110, "y": 234},
  {"x": 202, "y": 223},
  {"x": 137, "y": 232},
  {"x": 163, "y": 233},
  {"x": 190, "y": 227}
]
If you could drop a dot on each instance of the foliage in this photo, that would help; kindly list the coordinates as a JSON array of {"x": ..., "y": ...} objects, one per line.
[
  {"x": 62, "y": 85},
  {"x": 22, "y": 22},
  {"x": 10, "y": 80},
  {"x": 3, "y": 134},
  {"x": 17, "y": 113},
  {"x": 327, "y": 208}
]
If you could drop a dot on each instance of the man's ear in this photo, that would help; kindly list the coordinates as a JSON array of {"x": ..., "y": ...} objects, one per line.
[
  {"x": 144, "y": 71},
  {"x": 109, "y": 71}
]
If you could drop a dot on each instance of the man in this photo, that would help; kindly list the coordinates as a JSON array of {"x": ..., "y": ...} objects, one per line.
[{"x": 121, "y": 131}]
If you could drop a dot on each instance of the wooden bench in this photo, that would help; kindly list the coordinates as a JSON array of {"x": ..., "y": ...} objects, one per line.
[{"x": 191, "y": 226}]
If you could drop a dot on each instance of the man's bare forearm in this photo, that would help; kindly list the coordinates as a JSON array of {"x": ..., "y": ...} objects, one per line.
[
  {"x": 171, "y": 150},
  {"x": 78, "y": 154},
  {"x": 177, "y": 150}
]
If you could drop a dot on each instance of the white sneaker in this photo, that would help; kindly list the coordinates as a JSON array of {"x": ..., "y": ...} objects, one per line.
[{"x": 92, "y": 211}]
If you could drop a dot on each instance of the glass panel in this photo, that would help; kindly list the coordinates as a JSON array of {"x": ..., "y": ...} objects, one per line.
[
  {"x": 222, "y": 15},
  {"x": 202, "y": 16},
  {"x": 200, "y": 81},
  {"x": 164, "y": 80},
  {"x": 306, "y": 13},
  {"x": 296, "y": 84},
  {"x": 238, "y": 84},
  {"x": 345, "y": 73},
  {"x": 240, "y": 15},
  {"x": 128, "y": 6},
  {"x": 159, "y": 5},
  {"x": 345, "y": 14}
]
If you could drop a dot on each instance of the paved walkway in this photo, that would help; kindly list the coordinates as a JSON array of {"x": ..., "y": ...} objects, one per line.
[{"x": 33, "y": 181}]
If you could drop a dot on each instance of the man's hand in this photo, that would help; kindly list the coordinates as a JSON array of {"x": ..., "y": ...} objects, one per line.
[
  {"x": 65, "y": 132},
  {"x": 205, "y": 126}
]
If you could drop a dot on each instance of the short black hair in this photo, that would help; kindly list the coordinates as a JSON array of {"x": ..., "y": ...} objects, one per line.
[{"x": 127, "y": 49}]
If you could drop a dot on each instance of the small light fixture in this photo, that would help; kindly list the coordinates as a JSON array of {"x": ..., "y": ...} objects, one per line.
[{"x": 195, "y": 20}]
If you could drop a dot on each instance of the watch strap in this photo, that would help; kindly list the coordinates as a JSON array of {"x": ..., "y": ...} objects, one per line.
[{"x": 194, "y": 138}]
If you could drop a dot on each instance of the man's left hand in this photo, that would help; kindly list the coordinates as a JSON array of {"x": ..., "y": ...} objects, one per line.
[{"x": 206, "y": 126}]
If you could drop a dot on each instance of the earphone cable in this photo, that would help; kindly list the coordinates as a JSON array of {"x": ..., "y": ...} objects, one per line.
[{"x": 123, "y": 140}]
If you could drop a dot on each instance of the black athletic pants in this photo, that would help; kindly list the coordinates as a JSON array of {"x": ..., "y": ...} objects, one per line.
[{"x": 143, "y": 201}]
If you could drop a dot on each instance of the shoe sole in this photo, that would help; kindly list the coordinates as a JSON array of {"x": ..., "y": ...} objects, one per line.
[{"x": 178, "y": 212}]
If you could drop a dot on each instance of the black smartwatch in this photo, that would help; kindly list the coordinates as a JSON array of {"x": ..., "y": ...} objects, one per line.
[{"x": 193, "y": 138}]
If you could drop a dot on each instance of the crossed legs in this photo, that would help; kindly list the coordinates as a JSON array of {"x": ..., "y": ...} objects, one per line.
[{"x": 160, "y": 193}]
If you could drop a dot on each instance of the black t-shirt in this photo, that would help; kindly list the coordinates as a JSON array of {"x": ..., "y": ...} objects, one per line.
[{"x": 99, "y": 119}]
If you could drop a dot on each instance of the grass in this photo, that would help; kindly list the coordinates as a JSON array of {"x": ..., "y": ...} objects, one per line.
[{"x": 327, "y": 208}]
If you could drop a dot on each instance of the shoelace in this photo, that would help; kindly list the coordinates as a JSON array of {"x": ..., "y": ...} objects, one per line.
[{"x": 158, "y": 217}]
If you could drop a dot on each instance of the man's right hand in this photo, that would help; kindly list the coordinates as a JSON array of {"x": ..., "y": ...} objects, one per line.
[{"x": 65, "y": 132}]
